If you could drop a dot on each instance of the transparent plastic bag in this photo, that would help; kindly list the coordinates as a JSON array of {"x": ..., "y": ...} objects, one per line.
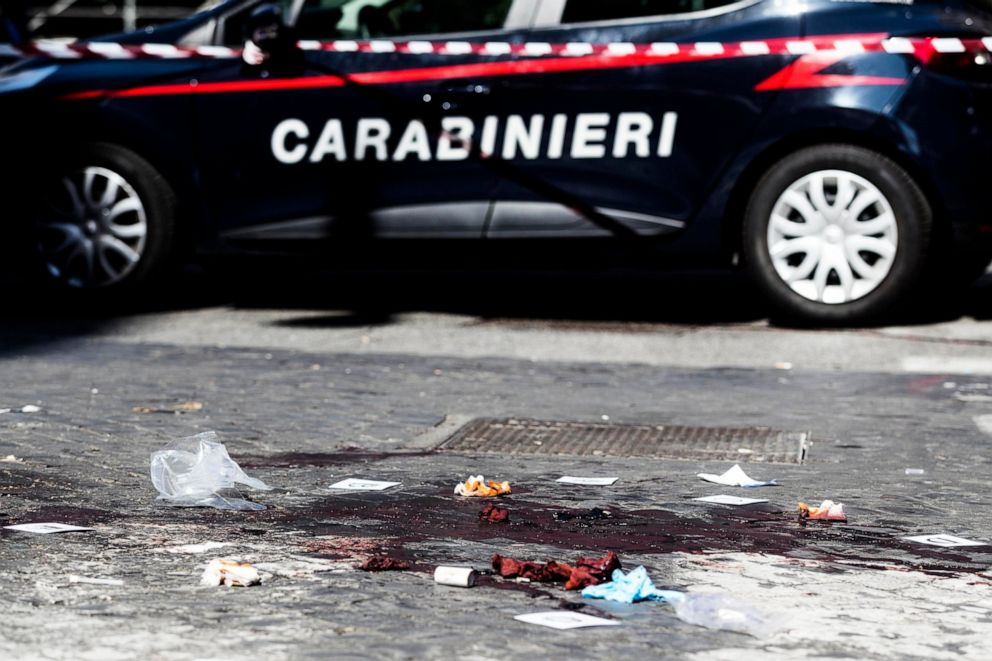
[
  {"x": 721, "y": 611},
  {"x": 197, "y": 472}
]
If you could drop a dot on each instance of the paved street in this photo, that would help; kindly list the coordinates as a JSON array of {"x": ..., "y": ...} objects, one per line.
[{"x": 366, "y": 374}]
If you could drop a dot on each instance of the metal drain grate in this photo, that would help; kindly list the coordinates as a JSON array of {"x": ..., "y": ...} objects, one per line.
[{"x": 541, "y": 437}]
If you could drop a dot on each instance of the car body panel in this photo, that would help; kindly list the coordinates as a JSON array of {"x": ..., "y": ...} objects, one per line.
[{"x": 669, "y": 147}]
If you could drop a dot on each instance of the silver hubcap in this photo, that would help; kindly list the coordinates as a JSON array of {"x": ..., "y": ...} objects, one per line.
[
  {"x": 95, "y": 233},
  {"x": 832, "y": 237}
]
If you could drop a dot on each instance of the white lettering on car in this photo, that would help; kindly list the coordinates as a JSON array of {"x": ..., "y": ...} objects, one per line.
[
  {"x": 583, "y": 136},
  {"x": 590, "y": 133},
  {"x": 331, "y": 141},
  {"x": 372, "y": 133},
  {"x": 280, "y": 137}
]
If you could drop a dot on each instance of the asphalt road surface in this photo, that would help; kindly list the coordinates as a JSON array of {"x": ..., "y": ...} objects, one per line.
[{"x": 311, "y": 377}]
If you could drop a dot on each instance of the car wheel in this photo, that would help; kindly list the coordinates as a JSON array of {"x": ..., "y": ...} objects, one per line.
[
  {"x": 104, "y": 221},
  {"x": 836, "y": 234}
]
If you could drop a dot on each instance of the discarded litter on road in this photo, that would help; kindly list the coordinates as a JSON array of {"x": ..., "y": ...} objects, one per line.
[
  {"x": 383, "y": 563},
  {"x": 827, "y": 511},
  {"x": 588, "y": 481},
  {"x": 198, "y": 472},
  {"x": 476, "y": 486},
  {"x": 461, "y": 577},
  {"x": 915, "y": 471},
  {"x": 565, "y": 620},
  {"x": 30, "y": 408},
  {"x": 353, "y": 484},
  {"x": 721, "y": 611},
  {"x": 947, "y": 541},
  {"x": 46, "y": 528},
  {"x": 730, "y": 500},
  {"x": 585, "y": 572},
  {"x": 736, "y": 477},
  {"x": 175, "y": 409},
  {"x": 230, "y": 573},
  {"x": 629, "y": 588},
  {"x": 492, "y": 514},
  {"x": 11, "y": 459}
]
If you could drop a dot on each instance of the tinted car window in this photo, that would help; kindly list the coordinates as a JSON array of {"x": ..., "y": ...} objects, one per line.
[
  {"x": 581, "y": 11},
  {"x": 235, "y": 26},
  {"x": 364, "y": 19}
]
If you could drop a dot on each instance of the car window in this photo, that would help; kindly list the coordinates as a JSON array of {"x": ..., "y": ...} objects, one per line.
[
  {"x": 583, "y": 11},
  {"x": 369, "y": 19},
  {"x": 235, "y": 26}
]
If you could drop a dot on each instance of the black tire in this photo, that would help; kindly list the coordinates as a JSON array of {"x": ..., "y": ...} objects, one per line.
[
  {"x": 50, "y": 202},
  {"x": 913, "y": 222}
]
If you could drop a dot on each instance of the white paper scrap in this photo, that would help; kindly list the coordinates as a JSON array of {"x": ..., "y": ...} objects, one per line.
[
  {"x": 197, "y": 548},
  {"x": 30, "y": 408},
  {"x": 353, "y": 484},
  {"x": 736, "y": 477},
  {"x": 730, "y": 500},
  {"x": 915, "y": 471},
  {"x": 46, "y": 528},
  {"x": 589, "y": 481},
  {"x": 946, "y": 541},
  {"x": 565, "y": 620},
  {"x": 95, "y": 581}
]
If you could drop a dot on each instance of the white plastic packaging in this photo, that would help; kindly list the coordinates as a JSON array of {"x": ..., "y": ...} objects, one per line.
[
  {"x": 197, "y": 472},
  {"x": 721, "y": 611},
  {"x": 461, "y": 577}
]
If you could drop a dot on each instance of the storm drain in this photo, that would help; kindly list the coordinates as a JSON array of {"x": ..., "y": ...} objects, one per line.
[{"x": 542, "y": 438}]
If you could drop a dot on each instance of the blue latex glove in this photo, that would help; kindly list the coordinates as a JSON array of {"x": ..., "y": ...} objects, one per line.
[{"x": 627, "y": 589}]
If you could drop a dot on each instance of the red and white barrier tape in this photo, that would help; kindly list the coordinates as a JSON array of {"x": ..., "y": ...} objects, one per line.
[{"x": 922, "y": 47}]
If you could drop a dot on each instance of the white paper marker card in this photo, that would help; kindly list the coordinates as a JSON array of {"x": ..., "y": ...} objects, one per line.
[
  {"x": 730, "y": 500},
  {"x": 565, "y": 620},
  {"x": 589, "y": 481},
  {"x": 947, "y": 541},
  {"x": 46, "y": 528},
  {"x": 353, "y": 484}
]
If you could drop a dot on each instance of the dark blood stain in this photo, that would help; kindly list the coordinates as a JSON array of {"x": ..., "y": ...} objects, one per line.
[
  {"x": 757, "y": 529},
  {"x": 380, "y": 563},
  {"x": 77, "y": 516},
  {"x": 344, "y": 456}
]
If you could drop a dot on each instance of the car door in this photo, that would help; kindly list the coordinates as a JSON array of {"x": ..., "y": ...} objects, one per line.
[
  {"x": 357, "y": 141},
  {"x": 641, "y": 111}
]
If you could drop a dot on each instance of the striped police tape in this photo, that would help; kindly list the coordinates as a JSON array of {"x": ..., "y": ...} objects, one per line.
[{"x": 919, "y": 46}]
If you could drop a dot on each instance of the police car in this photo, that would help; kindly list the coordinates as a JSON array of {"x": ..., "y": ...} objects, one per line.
[{"x": 836, "y": 148}]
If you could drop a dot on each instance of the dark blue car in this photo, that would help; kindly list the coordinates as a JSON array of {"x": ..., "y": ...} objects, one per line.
[{"x": 835, "y": 148}]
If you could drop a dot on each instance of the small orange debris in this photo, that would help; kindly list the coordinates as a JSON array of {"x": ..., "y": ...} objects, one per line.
[
  {"x": 827, "y": 511},
  {"x": 476, "y": 486}
]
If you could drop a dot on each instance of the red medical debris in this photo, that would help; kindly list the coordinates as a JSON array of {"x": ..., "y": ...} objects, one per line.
[
  {"x": 379, "y": 563},
  {"x": 585, "y": 572},
  {"x": 492, "y": 514}
]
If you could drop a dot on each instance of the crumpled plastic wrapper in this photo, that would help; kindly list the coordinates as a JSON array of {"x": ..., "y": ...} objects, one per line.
[
  {"x": 827, "y": 511},
  {"x": 629, "y": 588},
  {"x": 230, "y": 573},
  {"x": 197, "y": 472},
  {"x": 476, "y": 486}
]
